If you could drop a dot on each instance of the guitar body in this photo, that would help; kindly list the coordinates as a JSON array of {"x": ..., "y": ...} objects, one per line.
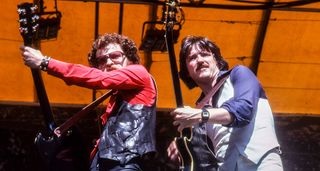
[
  {"x": 185, "y": 154},
  {"x": 194, "y": 151},
  {"x": 47, "y": 146},
  {"x": 66, "y": 152}
]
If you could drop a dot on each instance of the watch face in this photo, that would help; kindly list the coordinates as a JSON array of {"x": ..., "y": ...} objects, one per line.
[{"x": 204, "y": 115}]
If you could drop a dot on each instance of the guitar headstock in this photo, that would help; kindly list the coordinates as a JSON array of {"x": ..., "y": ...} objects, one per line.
[
  {"x": 171, "y": 10},
  {"x": 28, "y": 20},
  {"x": 173, "y": 18}
]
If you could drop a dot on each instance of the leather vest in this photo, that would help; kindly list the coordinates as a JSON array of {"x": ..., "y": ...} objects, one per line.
[{"x": 129, "y": 132}]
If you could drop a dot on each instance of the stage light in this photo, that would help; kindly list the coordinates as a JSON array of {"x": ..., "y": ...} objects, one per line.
[
  {"x": 154, "y": 40},
  {"x": 49, "y": 25}
]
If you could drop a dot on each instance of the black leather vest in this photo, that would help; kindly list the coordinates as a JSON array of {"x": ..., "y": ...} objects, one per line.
[{"x": 128, "y": 133}]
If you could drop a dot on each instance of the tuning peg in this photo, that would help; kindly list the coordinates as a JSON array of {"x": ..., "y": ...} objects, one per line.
[
  {"x": 35, "y": 28},
  {"x": 35, "y": 18},
  {"x": 34, "y": 9},
  {"x": 21, "y": 11},
  {"x": 23, "y": 21},
  {"x": 23, "y": 30}
]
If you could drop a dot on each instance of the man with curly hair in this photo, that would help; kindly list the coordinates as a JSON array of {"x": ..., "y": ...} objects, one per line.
[{"x": 129, "y": 121}]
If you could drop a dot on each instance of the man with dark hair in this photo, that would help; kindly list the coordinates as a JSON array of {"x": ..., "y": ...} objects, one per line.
[
  {"x": 238, "y": 118},
  {"x": 129, "y": 121}
]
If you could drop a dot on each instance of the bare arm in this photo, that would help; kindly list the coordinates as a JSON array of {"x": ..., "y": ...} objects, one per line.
[{"x": 186, "y": 117}]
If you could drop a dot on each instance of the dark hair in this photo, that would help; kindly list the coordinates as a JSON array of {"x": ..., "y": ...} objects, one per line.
[
  {"x": 128, "y": 46},
  {"x": 204, "y": 44}
]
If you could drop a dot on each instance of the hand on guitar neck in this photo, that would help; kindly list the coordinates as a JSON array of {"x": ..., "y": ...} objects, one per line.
[
  {"x": 31, "y": 57},
  {"x": 186, "y": 117}
]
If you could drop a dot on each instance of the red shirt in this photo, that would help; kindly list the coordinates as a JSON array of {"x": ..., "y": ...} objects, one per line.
[{"x": 133, "y": 82}]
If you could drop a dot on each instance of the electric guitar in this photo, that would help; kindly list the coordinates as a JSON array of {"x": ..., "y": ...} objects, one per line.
[
  {"x": 59, "y": 153},
  {"x": 193, "y": 143}
]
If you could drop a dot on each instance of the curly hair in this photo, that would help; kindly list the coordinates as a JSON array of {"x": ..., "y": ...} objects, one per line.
[
  {"x": 127, "y": 45},
  {"x": 205, "y": 45}
]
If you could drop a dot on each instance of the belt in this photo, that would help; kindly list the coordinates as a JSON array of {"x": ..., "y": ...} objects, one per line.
[{"x": 274, "y": 150}]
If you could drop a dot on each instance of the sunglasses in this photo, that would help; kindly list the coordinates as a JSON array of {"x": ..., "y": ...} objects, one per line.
[{"x": 115, "y": 56}]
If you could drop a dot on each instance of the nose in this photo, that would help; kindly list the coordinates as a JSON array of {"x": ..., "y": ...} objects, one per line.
[
  {"x": 200, "y": 58},
  {"x": 109, "y": 61}
]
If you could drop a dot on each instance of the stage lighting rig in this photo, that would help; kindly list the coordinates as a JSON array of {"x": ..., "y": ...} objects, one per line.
[
  {"x": 153, "y": 38},
  {"x": 196, "y": 2},
  {"x": 49, "y": 22}
]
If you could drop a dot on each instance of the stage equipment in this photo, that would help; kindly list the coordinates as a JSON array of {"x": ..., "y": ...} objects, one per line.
[
  {"x": 153, "y": 38},
  {"x": 196, "y": 2},
  {"x": 49, "y": 22},
  {"x": 49, "y": 25}
]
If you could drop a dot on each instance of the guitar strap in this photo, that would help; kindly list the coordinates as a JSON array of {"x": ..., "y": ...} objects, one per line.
[
  {"x": 216, "y": 87},
  {"x": 76, "y": 117},
  {"x": 200, "y": 146}
]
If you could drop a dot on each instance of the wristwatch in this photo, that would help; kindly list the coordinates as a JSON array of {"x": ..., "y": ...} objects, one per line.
[{"x": 205, "y": 114}]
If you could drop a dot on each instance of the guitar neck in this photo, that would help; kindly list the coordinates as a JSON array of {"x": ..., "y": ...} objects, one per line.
[
  {"x": 43, "y": 100},
  {"x": 172, "y": 57},
  {"x": 62, "y": 129},
  {"x": 28, "y": 28},
  {"x": 173, "y": 63},
  {"x": 173, "y": 66},
  {"x": 41, "y": 93}
]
